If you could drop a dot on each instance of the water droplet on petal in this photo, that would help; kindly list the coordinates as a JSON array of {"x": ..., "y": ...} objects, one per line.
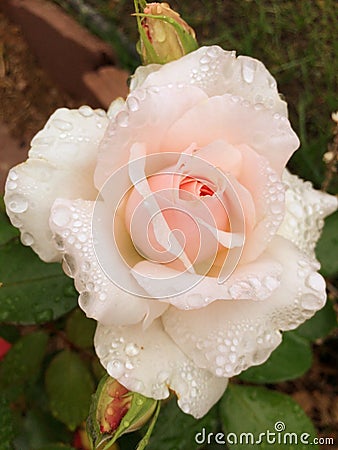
[
  {"x": 248, "y": 70},
  {"x": 316, "y": 282},
  {"x": 27, "y": 239},
  {"x": 132, "y": 349},
  {"x": 122, "y": 119},
  {"x": 17, "y": 204},
  {"x": 13, "y": 175},
  {"x": 61, "y": 216},
  {"x": 115, "y": 368},
  {"x": 62, "y": 125},
  {"x": 11, "y": 185},
  {"x": 133, "y": 103},
  {"x": 86, "y": 111},
  {"x": 309, "y": 301}
]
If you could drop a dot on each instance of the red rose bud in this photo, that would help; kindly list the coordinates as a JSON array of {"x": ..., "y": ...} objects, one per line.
[
  {"x": 164, "y": 35},
  {"x": 4, "y": 347},
  {"x": 115, "y": 411}
]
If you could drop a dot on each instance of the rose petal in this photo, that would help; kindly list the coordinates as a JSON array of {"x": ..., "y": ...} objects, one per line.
[
  {"x": 239, "y": 334},
  {"x": 237, "y": 122},
  {"x": 255, "y": 281},
  {"x": 61, "y": 163},
  {"x": 217, "y": 71},
  {"x": 267, "y": 193},
  {"x": 150, "y": 363},
  {"x": 100, "y": 297},
  {"x": 306, "y": 209},
  {"x": 142, "y": 120}
]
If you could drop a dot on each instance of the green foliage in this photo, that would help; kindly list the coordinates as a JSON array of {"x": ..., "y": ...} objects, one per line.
[
  {"x": 80, "y": 330},
  {"x": 32, "y": 291},
  {"x": 251, "y": 409},
  {"x": 181, "y": 434},
  {"x": 6, "y": 425},
  {"x": 69, "y": 385},
  {"x": 327, "y": 247},
  {"x": 22, "y": 364},
  {"x": 290, "y": 360},
  {"x": 321, "y": 324}
]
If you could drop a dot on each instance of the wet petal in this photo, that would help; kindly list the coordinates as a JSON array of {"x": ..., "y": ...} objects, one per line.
[
  {"x": 61, "y": 164},
  {"x": 150, "y": 363},
  {"x": 306, "y": 209},
  {"x": 142, "y": 120},
  {"x": 253, "y": 281},
  {"x": 236, "y": 121},
  {"x": 242, "y": 333},
  {"x": 100, "y": 297},
  {"x": 217, "y": 71}
]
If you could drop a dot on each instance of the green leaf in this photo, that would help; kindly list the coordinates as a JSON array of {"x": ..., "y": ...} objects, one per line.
[
  {"x": 80, "y": 330},
  {"x": 32, "y": 291},
  {"x": 176, "y": 430},
  {"x": 6, "y": 425},
  {"x": 22, "y": 364},
  {"x": 320, "y": 325},
  {"x": 291, "y": 359},
  {"x": 39, "y": 429},
  {"x": 69, "y": 386},
  {"x": 248, "y": 411},
  {"x": 327, "y": 247}
]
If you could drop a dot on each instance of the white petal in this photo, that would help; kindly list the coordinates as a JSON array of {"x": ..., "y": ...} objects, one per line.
[
  {"x": 237, "y": 122},
  {"x": 61, "y": 164},
  {"x": 100, "y": 297},
  {"x": 150, "y": 363},
  {"x": 253, "y": 281},
  {"x": 217, "y": 71},
  {"x": 228, "y": 337},
  {"x": 144, "y": 119},
  {"x": 306, "y": 209}
]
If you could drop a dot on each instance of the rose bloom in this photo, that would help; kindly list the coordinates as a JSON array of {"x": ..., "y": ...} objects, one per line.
[{"x": 188, "y": 240}]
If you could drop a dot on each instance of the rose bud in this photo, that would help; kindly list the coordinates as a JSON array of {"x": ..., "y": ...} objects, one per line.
[
  {"x": 115, "y": 411},
  {"x": 164, "y": 35}
]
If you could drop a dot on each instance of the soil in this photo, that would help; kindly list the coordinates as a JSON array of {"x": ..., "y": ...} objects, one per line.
[{"x": 27, "y": 98}]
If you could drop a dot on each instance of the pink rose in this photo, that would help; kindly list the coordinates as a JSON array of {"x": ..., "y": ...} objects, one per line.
[{"x": 189, "y": 242}]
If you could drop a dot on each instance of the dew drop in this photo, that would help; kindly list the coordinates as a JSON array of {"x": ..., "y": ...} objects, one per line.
[
  {"x": 18, "y": 204},
  {"x": 86, "y": 111},
  {"x": 27, "y": 239},
  {"x": 133, "y": 103},
  {"x": 11, "y": 185},
  {"x": 61, "y": 216},
  {"x": 132, "y": 349},
  {"x": 248, "y": 70},
  {"x": 44, "y": 316},
  {"x": 13, "y": 175},
  {"x": 115, "y": 368},
  {"x": 316, "y": 282},
  {"x": 205, "y": 59},
  {"x": 122, "y": 119},
  {"x": 62, "y": 125}
]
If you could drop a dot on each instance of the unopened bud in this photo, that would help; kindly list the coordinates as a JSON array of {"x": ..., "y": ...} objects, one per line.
[
  {"x": 115, "y": 411},
  {"x": 164, "y": 35}
]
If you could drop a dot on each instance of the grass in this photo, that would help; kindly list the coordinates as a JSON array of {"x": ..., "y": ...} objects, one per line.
[{"x": 294, "y": 38}]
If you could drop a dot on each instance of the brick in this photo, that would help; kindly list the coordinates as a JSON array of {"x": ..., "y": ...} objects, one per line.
[
  {"x": 106, "y": 84},
  {"x": 63, "y": 48}
]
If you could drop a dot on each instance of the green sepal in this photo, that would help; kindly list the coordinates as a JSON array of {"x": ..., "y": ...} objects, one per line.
[
  {"x": 141, "y": 409},
  {"x": 189, "y": 43}
]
